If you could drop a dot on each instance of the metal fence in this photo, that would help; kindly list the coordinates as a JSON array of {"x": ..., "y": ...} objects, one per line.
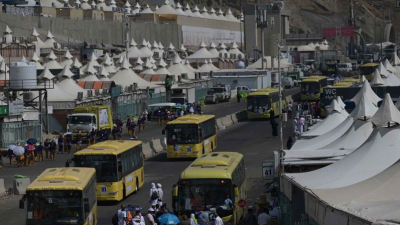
[
  {"x": 14, "y": 132},
  {"x": 285, "y": 209},
  {"x": 156, "y": 98}
]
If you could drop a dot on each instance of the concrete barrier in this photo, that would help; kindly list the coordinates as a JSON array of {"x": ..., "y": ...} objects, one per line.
[
  {"x": 234, "y": 118},
  {"x": 227, "y": 121},
  {"x": 2, "y": 188},
  {"x": 241, "y": 116},
  {"x": 156, "y": 146},
  {"x": 147, "y": 150},
  {"x": 20, "y": 185},
  {"x": 220, "y": 126}
]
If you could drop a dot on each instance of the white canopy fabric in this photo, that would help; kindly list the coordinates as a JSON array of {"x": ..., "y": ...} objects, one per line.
[
  {"x": 214, "y": 52},
  {"x": 166, "y": 8},
  {"x": 365, "y": 162},
  {"x": 392, "y": 81},
  {"x": 53, "y": 64},
  {"x": 196, "y": 12},
  {"x": 59, "y": 95},
  {"x": 230, "y": 17},
  {"x": 88, "y": 68},
  {"x": 202, "y": 53},
  {"x": 46, "y": 75},
  {"x": 188, "y": 11},
  {"x": 223, "y": 53},
  {"x": 147, "y": 10},
  {"x": 205, "y": 68},
  {"x": 374, "y": 199},
  {"x": 178, "y": 69},
  {"x": 149, "y": 71},
  {"x": 389, "y": 67},
  {"x": 220, "y": 15},
  {"x": 146, "y": 52},
  {"x": 213, "y": 15},
  {"x": 76, "y": 63},
  {"x": 340, "y": 102},
  {"x": 323, "y": 139},
  {"x": 188, "y": 66},
  {"x": 382, "y": 70},
  {"x": 332, "y": 121},
  {"x": 204, "y": 13},
  {"x": 268, "y": 63},
  {"x": 90, "y": 77},
  {"x": 237, "y": 52},
  {"x": 179, "y": 10},
  {"x": 395, "y": 60},
  {"x": 365, "y": 108},
  {"x": 66, "y": 62},
  {"x": 163, "y": 70},
  {"x": 65, "y": 73},
  {"x": 211, "y": 65},
  {"x": 366, "y": 90},
  {"x": 69, "y": 86}
]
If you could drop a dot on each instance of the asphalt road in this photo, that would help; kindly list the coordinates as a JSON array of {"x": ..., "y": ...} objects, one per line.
[{"x": 251, "y": 138}]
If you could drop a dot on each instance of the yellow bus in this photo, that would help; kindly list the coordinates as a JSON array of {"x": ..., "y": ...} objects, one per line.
[
  {"x": 119, "y": 167},
  {"x": 260, "y": 102},
  {"x": 368, "y": 70},
  {"x": 311, "y": 88},
  {"x": 215, "y": 182},
  {"x": 62, "y": 196},
  {"x": 191, "y": 136}
]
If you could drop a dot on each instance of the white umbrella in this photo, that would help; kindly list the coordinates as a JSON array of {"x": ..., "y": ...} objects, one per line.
[
  {"x": 12, "y": 147},
  {"x": 18, "y": 150}
]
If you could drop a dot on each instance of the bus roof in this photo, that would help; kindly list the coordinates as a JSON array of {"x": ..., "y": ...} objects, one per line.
[
  {"x": 62, "y": 179},
  {"x": 191, "y": 119},
  {"x": 343, "y": 84},
  {"x": 213, "y": 165},
  {"x": 264, "y": 91},
  {"x": 370, "y": 65},
  {"x": 109, "y": 147},
  {"x": 313, "y": 78}
]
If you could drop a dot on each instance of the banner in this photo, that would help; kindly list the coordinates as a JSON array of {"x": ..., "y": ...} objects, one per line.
[{"x": 193, "y": 36}]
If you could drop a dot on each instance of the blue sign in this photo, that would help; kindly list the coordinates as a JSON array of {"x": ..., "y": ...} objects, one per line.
[{"x": 115, "y": 91}]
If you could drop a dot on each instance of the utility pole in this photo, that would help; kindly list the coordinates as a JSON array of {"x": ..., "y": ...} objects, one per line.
[
  {"x": 262, "y": 23},
  {"x": 127, "y": 30},
  {"x": 281, "y": 45}
]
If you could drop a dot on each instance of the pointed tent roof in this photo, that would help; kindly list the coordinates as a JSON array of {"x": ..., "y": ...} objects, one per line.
[
  {"x": 107, "y": 60},
  {"x": 76, "y": 63},
  {"x": 103, "y": 72},
  {"x": 51, "y": 56},
  {"x": 125, "y": 64},
  {"x": 363, "y": 78},
  {"x": 214, "y": 52},
  {"x": 202, "y": 53},
  {"x": 127, "y": 4},
  {"x": 166, "y": 8},
  {"x": 35, "y": 57},
  {"x": 35, "y": 33},
  {"x": 222, "y": 46},
  {"x": 46, "y": 75},
  {"x": 230, "y": 17},
  {"x": 213, "y": 15},
  {"x": 187, "y": 10},
  {"x": 204, "y": 13},
  {"x": 389, "y": 67},
  {"x": 53, "y": 64},
  {"x": 377, "y": 80},
  {"x": 23, "y": 59},
  {"x": 66, "y": 72},
  {"x": 155, "y": 44},
  {"x": 137, "y": 6},
  {"x": 196, "y": 12},
  {"x": 221, "y": 15},
  {"x": 149, "y": 71},
  {"x": 179, "y": 11},
  {"x": 340, "y": 102},
  {"x": 382, "y": 70},
  {"x": 147, "y": 10},
  {"x": 182, "y": 48},
  {"x": 205, "y": 68},
  {"x": 386, "y": 113},
  {"x": 213, "y": 45},
  {"x": 69, "y": 86},
  {"x": 132, "y": 43},
  {"x": 188, "y": 66},
  {"x": 163, "y": 70},
  {"x": 49, "y": 35},
  {"x": 110, "y": 68},
  {"x": 171, "y": 46},
  {"x": 89, "y": 68},
  {"x": 364, "y": 109},
  {"x": 160, "y": 45},
  {"x": 162, "y": 63},
  {"x": 68, "y": 55},
  {"x": 148, "y": 64},
  {"x": 139, "y": 61},
  {"x": 395, "y": 59},
  {"x": 8, "y": 30},
  {"x": 177, "y": 59},
  {"x": 211, "y": 65},
  {"x": 334, "y": 107},
  {"x": 366, "y": 90},
  {"x": 392, "y": 81},
  {"x": 202, "y": 44},
  {"x": 90, "y": 77},
  {"x": 2, "y": 59}
]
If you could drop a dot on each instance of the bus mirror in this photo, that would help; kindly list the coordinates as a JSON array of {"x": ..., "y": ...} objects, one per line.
[
  {"x": 163, "y": 131},
  {"x": 175, "y": 191},
  {"x": 21, "y": 203},
  {"x": 236, "y": 190},
  {"x": 86, "y": 205}
]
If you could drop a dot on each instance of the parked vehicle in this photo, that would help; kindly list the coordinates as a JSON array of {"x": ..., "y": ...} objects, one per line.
[
  {"x": 245, "y": 89},
  {"x": 218, "y": 93},
  {"x": 288, "y": 82},
  {"x": 345, "y": 67}
]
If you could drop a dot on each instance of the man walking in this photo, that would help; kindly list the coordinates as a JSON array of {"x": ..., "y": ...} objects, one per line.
[
  {"x": 289, "y": 112},
  {"x": 122, "y": 216},
  {"x": 263, "y": 218}
]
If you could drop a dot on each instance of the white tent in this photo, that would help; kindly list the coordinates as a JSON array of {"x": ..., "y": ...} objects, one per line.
[
  {"x": 36, "y": 60},
  {"x": 221, "y": 15},
  {"x": 389, "y": 67},
  {"x": 196, "y": 12},
  {"x": 378, "y": 153},
  {"x": 337, "y": 116},
  {"x": 392, "y": 81},
  {"x": 213, "y": 15},
  {"x": 51, "y": 61},
  {"x": 377, "y": 80},
  {"x": 340, "y": 102},
  {"x": 178, "y": 69},
  {"x": 382, "y": 70},
  {"x": 188, "y": 66},
  {"x": 211, "y": 65},
  {"x": 166, "y": 8},
  {"x": 268, "y": 63},
  {"x": 46, "y": 75},
  {"x": 230, "y": 17},
  {"x": 125, "y": 77},
  {"x": 35, "y": 33},
  {"x": 213, "y": 50},
  {"x": 84, "y": 5},
  {"x": 8, "y": 35},
  {"x": 202, "y": 53},
  {"x": 366, "y": 90},
  {"x": 67, "y": 84},
  {"x": 235, "y": 51},
  {"x": 136, "y": 10},
  {"x": 163, "y": 70},
  {"x": 65, "y": 73},
  {"x": 146, "y": 52},
  {"x": 103, "y": 74},
  {"x": 205, "y": 68},
  {"x": 395, "y": 60},
  {"x": 67, "y": 59},
  {"x": 149, "y": 67},
  {"x": 147, "y": 10},
  {"x": 188, "y": 11},
  {"x": 76, "y": 63},
  {"x": 204, "y": 13},
  {"x": 178, "y": 9},
  {"x": 102, "y": 6}
]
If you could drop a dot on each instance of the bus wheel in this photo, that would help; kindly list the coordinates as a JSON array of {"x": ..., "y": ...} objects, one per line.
[{"x": 137, "y": 186}]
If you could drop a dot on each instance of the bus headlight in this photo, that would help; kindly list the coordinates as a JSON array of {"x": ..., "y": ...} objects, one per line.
[{"x": 113, "y": 193}]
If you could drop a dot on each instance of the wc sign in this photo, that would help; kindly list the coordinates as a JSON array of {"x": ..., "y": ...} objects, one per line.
[{"x": 330, "y": 93}]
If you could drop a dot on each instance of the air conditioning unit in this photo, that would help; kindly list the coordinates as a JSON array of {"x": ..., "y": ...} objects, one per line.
[
  {"x": 105, "y": 92},
  {"x": 21, "y": 39},
  {"x": 226, "y": 55},
  {"x": 135, "y": 87},
  {"x": 221, "y": 55},
  {"x": 55, "y": 46},
  {"x": 27, "y": 96},
  {"x": 29, "y": 39},
  {"x": 184, "y": 76},
  {"x": 233, "y": 56},
  {"x": 80, "y": 96},
  {"x": 89, "y": 93},
  {"x": 14, "y": 39},
  {"x": 179, "y": 78},
  {"x": 96, "y": 92}
]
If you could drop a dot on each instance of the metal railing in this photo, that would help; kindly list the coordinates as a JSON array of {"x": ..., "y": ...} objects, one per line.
[
  {"x": 28, "y": 84},
  {"x": 14, "y": 132}
]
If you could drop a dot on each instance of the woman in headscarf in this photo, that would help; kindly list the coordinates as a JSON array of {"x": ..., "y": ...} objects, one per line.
[
  {"x": 193, "y": 220},
  {"x": 153, "y": 195},
  {"x": 160, "y": 194}
]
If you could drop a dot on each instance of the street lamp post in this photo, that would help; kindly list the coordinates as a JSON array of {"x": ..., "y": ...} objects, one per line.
[
  {"x": 262, "y": 23},
  {"x": 281, "y": 45}
]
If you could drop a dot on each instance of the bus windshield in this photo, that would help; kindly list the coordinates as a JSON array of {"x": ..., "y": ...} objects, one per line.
[
  {"x": 204, "y": 195},
  {"x": 255, "y": 102},
  {"x": 105, "y": 165},
  {"x": 182, "y": 134},
  {"x": 80, "y": 119},
  {"x": 55, "y": 207},
  {"x": 310, "y": 87}
]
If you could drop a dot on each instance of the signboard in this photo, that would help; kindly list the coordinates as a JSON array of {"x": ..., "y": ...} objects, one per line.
[
  {"x": 16, "y": 108},
  {"x": 347, "y": 31},
  {"x": 194, "y": 35},
  {"x": 115, "y": 91},
  {"x": 329, "y": 32},
  {"x": 332, "y": 32},
  {"x": 3, "y": 110},
  {"x": 268, "y": 170}
]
